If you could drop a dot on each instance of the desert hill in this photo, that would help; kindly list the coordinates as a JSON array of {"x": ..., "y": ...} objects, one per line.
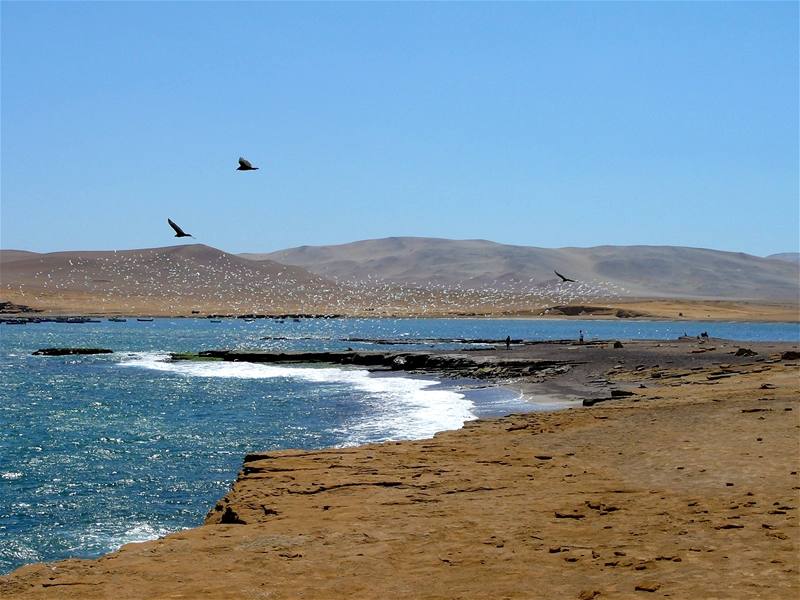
[
  {"x": 405, "y": 276},
  {"x": 7, "y": 256},
  {"x": 787, "y": 256},
  {"x": 165, "y": 280},
  {"x": 641, "y": 271}
]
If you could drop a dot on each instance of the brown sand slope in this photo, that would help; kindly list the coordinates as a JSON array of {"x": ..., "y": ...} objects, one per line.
[
  {"x": 7, "y": 256},
  {"x": 691, "y": 491},
  {"x": 180, "y": 279},
  {"x": 159, "y": 280}
]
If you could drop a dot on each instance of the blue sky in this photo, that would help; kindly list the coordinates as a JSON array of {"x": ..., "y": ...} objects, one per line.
[{"x": 542, "y": 124}]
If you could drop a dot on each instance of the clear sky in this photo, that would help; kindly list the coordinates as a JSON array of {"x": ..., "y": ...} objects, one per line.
[{"x": 542, "y": 124}]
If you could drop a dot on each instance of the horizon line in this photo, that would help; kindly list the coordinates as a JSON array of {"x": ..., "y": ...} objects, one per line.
[{"x": 408, "y": 237}]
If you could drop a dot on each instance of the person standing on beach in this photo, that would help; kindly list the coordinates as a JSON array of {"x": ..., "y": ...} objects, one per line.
[
  {"x": 580, "y": 336},
  {"x": 508, "y": 342}
]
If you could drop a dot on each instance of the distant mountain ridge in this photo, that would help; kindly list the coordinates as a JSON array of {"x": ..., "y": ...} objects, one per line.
[
  {"x": 787, "y": 256},
  {"x": 393, "y": 276},
  {"x": 644, "y": 271}
]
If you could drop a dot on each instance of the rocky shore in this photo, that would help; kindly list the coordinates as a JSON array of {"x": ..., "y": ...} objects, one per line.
[
  {"x": 561, "y": 368},
  {"x": 686, "y": 489}
]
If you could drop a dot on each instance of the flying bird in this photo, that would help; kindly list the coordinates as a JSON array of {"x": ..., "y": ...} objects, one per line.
[
  {"x": 562, "y": 277},
  {"x": 178, "y": 231},
  {"x": 246, "y": 165}
]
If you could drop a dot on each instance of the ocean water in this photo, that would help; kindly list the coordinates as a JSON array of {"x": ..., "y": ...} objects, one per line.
[{"x": 97, "y": 451}]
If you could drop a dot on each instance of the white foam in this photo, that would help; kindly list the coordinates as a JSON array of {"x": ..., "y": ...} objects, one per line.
[
  {"x": 140, "y": 532},
  {"x": 405, "y": 408},
  {"x": 111, "y": 537}
]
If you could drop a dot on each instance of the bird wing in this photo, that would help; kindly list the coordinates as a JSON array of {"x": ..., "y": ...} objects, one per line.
[
  {"x": 562, "y": 277},
  {"x": 245, "y": 163},
  {"x": 174, "y": 225}
]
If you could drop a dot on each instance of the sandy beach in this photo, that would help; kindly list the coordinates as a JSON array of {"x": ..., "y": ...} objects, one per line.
[
  {"x": 686, "y": 489},
  {"x": 80, "y": 303}
]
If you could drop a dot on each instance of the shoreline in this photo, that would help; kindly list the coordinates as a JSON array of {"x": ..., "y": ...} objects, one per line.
[
  {"x": 351, "y": 522},
  {"x": 636, "y": 309},
  {"x": 59, "y": 316}
]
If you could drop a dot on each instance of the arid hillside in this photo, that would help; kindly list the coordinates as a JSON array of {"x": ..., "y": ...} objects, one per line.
[
  {"x": 640, "y": 271},
  {"x": 405, "y": 277},
  {"x": 166, "y": 280}
]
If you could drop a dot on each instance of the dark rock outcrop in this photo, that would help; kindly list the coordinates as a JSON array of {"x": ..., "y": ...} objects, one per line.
[
  {"x": 68, "y": 351},
  {"x": 459, "y": 365},
  {"x": 229, "y": 517},
  {"x": 13, "y": 309},
  {"x": 745, "y": 352},
  {"x": 615, "y": 395}
]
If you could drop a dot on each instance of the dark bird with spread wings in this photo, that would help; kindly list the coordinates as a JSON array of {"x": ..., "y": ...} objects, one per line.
[
  {"x": 562, "y": 277},
  {"x": 178, "y": 231},
  {"x": 246, "y": 165}
]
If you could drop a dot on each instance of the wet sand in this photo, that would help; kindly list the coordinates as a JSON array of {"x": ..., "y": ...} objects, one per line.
[{"x": 687, "y": 489}]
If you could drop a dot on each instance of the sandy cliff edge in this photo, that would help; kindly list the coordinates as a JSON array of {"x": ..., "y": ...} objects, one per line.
[{"x": 689, "y": 489}]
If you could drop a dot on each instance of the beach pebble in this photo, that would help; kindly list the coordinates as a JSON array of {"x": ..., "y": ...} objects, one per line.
[{"x": 647, "y": 586}]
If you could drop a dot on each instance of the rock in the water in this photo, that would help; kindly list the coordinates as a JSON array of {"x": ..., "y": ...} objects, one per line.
[
  {"x": 67, "y": 351},
  {"x": 618, "y": 344}
]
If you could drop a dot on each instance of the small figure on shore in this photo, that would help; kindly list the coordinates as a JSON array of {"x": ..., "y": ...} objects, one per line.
[
  {"x": 704, "y": 334},
  {"x": 508, "y": 342},
  {"x": 580, "y": 336}
]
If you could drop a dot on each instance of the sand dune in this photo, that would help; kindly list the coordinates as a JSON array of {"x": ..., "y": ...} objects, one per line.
[{"x": 643, "y": 271}]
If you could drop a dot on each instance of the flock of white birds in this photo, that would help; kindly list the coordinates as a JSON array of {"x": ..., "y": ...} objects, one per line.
[{"x": 180, "y": 279}]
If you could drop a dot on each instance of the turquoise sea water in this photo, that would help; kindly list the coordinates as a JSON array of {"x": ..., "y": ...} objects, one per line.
[{"x": 97, "y": 451}]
